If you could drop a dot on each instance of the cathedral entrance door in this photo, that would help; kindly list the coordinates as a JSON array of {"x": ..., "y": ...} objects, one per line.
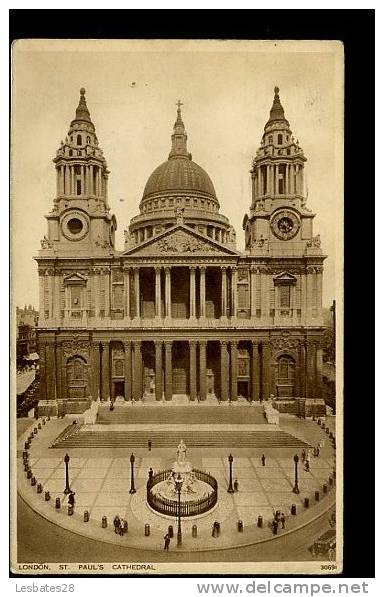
[
  {"x": 180, "y": 368},
  {"x": 118, "y": 389}
]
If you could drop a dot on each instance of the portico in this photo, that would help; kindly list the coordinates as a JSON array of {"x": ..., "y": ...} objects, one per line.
[{"x": 173, "y": 291}]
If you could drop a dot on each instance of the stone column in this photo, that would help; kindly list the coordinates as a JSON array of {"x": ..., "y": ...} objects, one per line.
[
  {"x": 255, "y": 371},
  {"x": 158, "y": 370},
  {"x": 202, "y": 291},
  {"x": 318, "y": 359},
  {"x": 319, "y": 289},
  {"x": 168, "y": 370},
  {"x": 203, "y": 369},
  {"x": 264, "y": 299},
  {"x": 82, "y": 178},
  {"x": 94, "y": 374},
  {"x": 286, "y": 179},
  {"x": 224, "y": 371},
  {"x": 224, "y": 292},
  {"x": 303, "y": 369},
  {"x": 107, "y": 291},
  {"x": 137, "y": 291},
  {"x": 96, "y": 279},
  {"x": 128, "y": 370},
  {"x": 309, "y": 294},
  {"x": 137, "y": 371},
  {"x": 50, "y": 372},
  {"x": 265, "y": 363},
  {"x": 253, "y": 271},
  {"x": 56, "y": 298},
  {"x": 58, "y": 358},
  {"x": 168, "y": 292},
  {"x": 157, "y": 292},
  {"x": 91, "y": 187},
  {"x": 192, "y": 369},
  {"x": 234, "y": 291},
  {"x": 233, "y": 370},
  {"x": 192, "y": 292},
  {"x": 127, "y": 292},
  {"x": 105, "y": 371}
]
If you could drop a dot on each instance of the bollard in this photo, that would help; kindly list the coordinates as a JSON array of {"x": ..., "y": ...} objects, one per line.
[
  {"x": 33, "y": 481},
  {"x": 25, "y": 454},
  {"x": 35, "y": 430},
  {"x": 293, "y": 509},
  {"x": 26, "y": 445},
  {"x": 319, "y": 421},
  {"x": 86, "y": 516},
  {"x": 57, "y": 503},
  {"x": 39, "y": 488},
  {"x": 323, "y": 425},
  {"x": 194, "y": 531},
  {"x": 317, "y": 496},
  {"x": 170, "y": 531},
  {"x": 43, "y": 421},
  {"x": 147, "y": 530},
  {"x": 325, "y": 488},
  {"x": 26, "y": 467},
  {"x": 29, "y": 473},
  {"x": 104, "y": 522},
  {"x": 47, "y": 496},
  {"x": 240, "y": 526},
  {"x": 39, "y": 426},
  {"x": 330, "y": 481},
  {"x": 70, "y": 510},
  {"x": 260, "y": 522},
  {"x": 327, "y": 430},
  {"x": 306, "y": 502}
]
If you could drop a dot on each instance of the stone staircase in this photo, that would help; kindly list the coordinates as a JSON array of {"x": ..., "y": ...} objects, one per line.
[
  {"x": 76, "y": 436},
  {"x": 182, "y": 415}
]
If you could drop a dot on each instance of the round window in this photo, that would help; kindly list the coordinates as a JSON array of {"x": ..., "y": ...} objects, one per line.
[{"x": 75, "y": 226}]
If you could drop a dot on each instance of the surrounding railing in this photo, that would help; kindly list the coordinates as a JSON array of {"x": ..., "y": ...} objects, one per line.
[{"x": 171, "y": 507}]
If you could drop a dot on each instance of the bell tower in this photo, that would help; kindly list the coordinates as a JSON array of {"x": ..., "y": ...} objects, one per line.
[
  {"x": 80, "y": 222},
  {"x": 278, "y": 211}
]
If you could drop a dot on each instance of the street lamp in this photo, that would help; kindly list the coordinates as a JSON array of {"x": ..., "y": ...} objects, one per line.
[
  {"x": 178, "y": 486},
  {"x": 296, "y": 486},
  {"x": 132, "y": 460},
  {"x": 230, "y": 487},
  {"x": 67, "y": 488}
]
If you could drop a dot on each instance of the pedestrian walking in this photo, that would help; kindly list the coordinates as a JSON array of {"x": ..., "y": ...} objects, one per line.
[
  {"x": 167, "y": 541},
  {"x": 116, "y": 523},
  {"x": 71, "y": 499},
  {"x": 125, "y": 527},
  {"x": 121, "y": 527},
  {"x": 275, "y": 525},
  {"x": 303, "y": 456},
  {"x": 282, "y": 520},
  {"x": 149, "y": 445},
  {"x": 150, "y": 473},
  {"x": 306, "y": 466},
  {"x": 236, "y": 485},
  {"x": 263, "y": 460}
]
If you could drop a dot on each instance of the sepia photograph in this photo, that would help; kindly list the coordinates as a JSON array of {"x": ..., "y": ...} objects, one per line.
[{"x": 177, "y": 307}]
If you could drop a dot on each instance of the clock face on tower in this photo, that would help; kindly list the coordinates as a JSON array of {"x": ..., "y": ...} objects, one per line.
[{"x": 285, "y": 225}]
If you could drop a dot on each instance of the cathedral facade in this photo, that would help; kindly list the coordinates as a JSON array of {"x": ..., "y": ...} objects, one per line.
[{"x": 180, "y": 314}]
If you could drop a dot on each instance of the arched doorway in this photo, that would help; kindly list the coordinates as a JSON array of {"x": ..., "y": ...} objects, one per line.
[
  {"x": 286, "y": 375},
  {"x": 77, "y": 377}
]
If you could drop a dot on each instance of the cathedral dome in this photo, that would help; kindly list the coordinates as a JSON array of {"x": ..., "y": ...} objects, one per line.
[{"x": 179, "y": 175}]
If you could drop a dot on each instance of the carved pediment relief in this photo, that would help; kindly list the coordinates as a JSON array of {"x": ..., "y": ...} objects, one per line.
[
  {"x": 75, "y": 278},
  {"x": 180, "y": 241},
  {"x": 285, "y": 278}
]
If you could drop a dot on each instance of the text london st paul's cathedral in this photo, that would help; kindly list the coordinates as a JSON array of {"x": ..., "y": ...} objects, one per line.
[{"x": 180, "y": 314}]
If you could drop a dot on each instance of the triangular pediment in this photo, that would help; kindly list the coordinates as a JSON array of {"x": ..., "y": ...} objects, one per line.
[
  {"x": 75, "y": 278},
  {"x": 180, "y": 240},
  {"x": 285, "y": 277}
]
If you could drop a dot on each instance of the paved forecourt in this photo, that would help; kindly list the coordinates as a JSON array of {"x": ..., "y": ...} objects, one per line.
[{"x": 101, "y": 479}]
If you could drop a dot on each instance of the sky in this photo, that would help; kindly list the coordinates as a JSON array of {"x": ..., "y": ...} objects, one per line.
[{"x": 131, "y": 91}]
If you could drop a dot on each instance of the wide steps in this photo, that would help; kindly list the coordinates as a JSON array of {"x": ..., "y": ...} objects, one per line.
[
  {"x": 162, "y": 439},
  {"x": 188, "y": 415}
]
